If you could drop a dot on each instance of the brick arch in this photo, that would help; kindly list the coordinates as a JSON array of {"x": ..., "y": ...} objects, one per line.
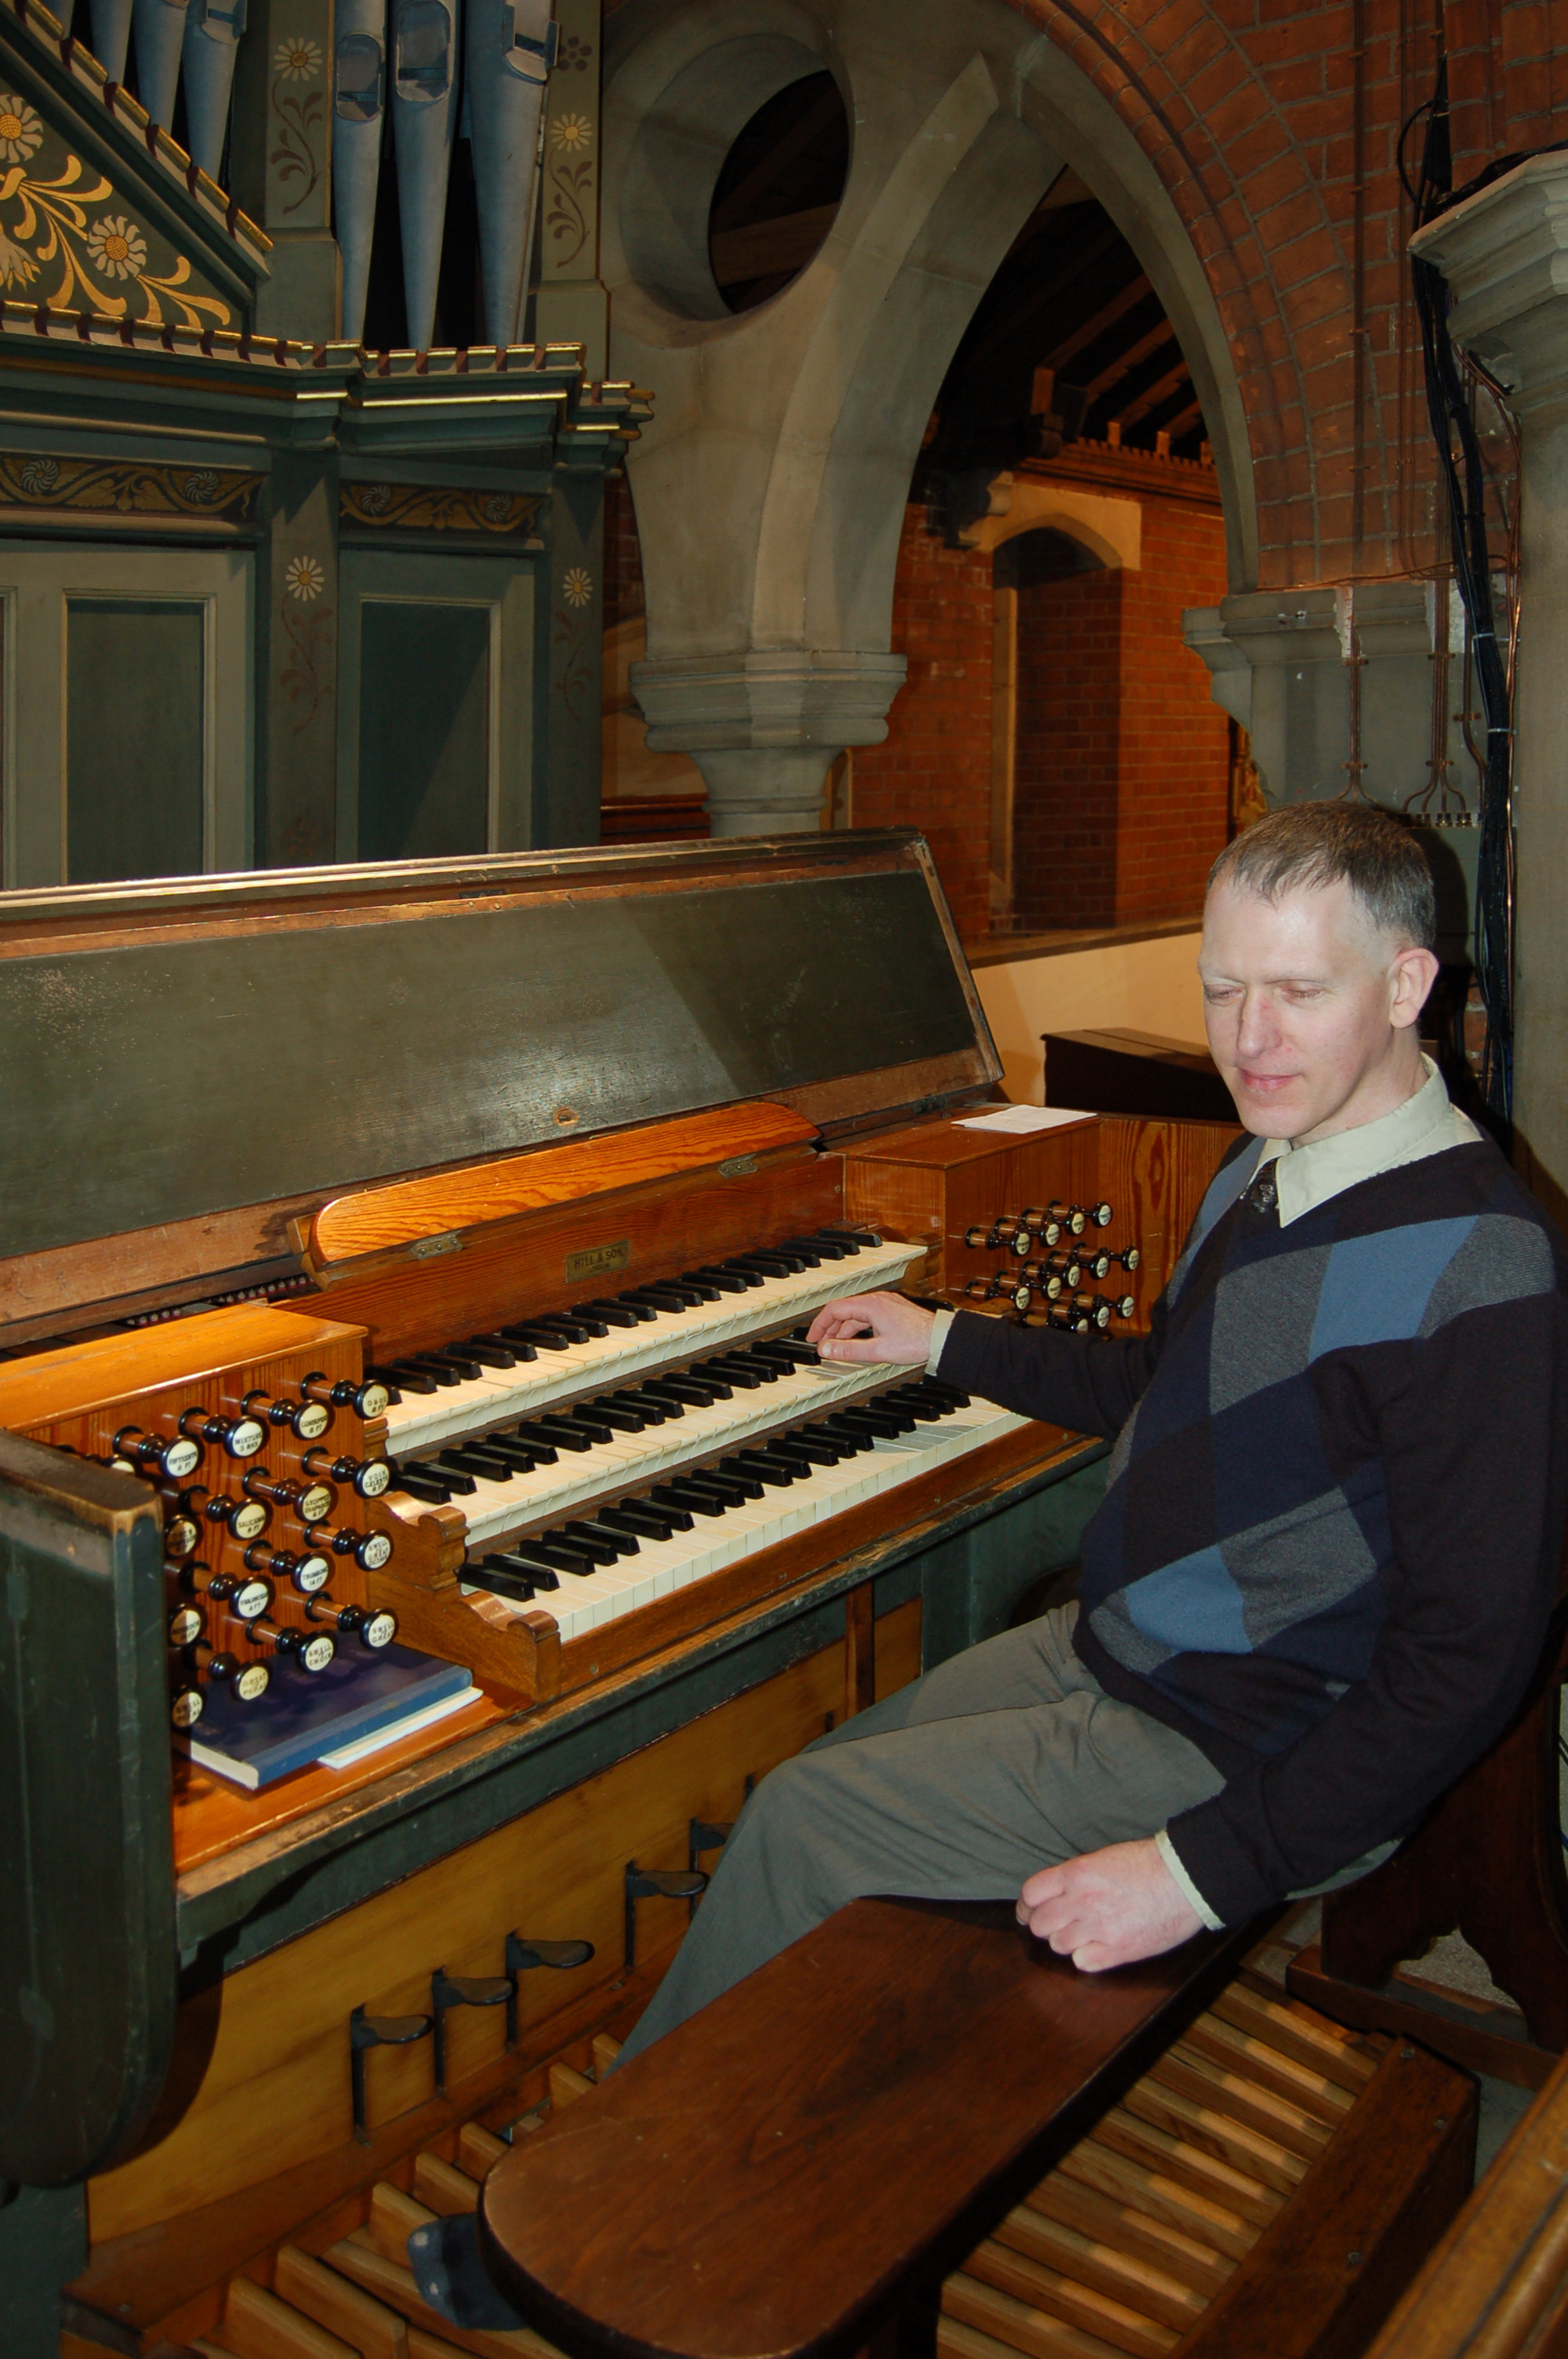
[{"x": 1241, "y": 125}]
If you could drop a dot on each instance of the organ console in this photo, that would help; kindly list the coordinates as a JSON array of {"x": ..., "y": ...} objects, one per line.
[{"x": 413, "y": 1522}]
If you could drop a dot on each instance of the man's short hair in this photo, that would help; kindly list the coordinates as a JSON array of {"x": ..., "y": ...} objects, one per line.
[{"x": 1317, "y": 844}]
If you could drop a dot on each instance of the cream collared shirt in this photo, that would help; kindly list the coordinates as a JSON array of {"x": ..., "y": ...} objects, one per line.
[{"x": 1308, "y": 1175}]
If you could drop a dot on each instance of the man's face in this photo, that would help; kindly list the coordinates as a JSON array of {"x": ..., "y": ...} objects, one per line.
[{"x": 1309, "y": 1009}]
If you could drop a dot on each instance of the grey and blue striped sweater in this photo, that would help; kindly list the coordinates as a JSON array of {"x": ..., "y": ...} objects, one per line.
[{"x": 1332, "y": 1524}]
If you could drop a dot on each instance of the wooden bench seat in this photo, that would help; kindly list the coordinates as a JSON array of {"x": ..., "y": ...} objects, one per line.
[{"x": 874, "y": 2105}]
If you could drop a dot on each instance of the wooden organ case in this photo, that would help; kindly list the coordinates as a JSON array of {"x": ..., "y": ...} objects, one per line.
[{"x": 402, "y": 1275}]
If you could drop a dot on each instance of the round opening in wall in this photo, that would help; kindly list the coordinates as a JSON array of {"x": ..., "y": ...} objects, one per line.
[{"x": 778, "y": 191}]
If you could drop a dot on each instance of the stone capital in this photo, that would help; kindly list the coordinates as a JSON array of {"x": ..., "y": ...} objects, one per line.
[
  {"x": 764, "y": 727},
  {"x": 1505, "y": 256}
]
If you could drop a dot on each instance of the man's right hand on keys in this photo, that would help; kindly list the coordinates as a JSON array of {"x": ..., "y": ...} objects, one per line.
[{"x": 873, "y": 1327}]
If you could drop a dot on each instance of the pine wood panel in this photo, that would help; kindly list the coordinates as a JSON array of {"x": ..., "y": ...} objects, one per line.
[
  {"x": 378, "y": 1220},
  {"x": 260, "y": 2105},
  {"x": 518, "y": 1268}
]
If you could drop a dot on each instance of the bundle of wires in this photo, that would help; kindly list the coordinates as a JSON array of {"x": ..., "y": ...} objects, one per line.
[{"x": 1459, "y": 458}]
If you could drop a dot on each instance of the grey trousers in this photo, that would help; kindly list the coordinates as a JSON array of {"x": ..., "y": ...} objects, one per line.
[{"x": 1007, "y": 1758}]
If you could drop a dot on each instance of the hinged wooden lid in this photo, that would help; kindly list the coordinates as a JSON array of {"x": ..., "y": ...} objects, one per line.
[{"x": 190, "y": 1068}]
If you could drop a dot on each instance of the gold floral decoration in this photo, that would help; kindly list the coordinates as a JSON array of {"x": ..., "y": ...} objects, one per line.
[
  {"x": 58, "y": 242},
  {"x": 571, "y": 132},
  {"x": 577, "y": 586},
  {"x": 305, "y": 577},
  {"x": 16, "y": 268},
  {"x": 297, "y": 60},
  {"x": 21, "y": 133},
  {"x": 117, "y": 247}
]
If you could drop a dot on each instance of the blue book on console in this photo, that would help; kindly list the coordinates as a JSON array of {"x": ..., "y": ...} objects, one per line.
[{"x": 305, "y": 1714}]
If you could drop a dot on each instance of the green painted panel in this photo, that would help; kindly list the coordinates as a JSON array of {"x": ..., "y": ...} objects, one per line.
[
  {"x": 424, "y": 782},
  {"x": 134, "y": 756}
]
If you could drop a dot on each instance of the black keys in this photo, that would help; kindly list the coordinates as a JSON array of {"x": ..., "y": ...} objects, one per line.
[
  {"x": 524, "y": 1455},
  {"x": 649, "y": 1407},
  {"x": 469, "y": 1459},
  {"x": 576, "y": 1330},
  {"x": 680, "y": 1493},
  {"x": 682, "y": 1390},
  {"x": 924, "y": 1410},
  {"x": 505, "y": 1340},
  {"x": 424, "y": 1374},
  {"x": 677, "y": 1517},
  {"x": 545, "y": 1555},
  {"x": 578, "y": 1535},
  {"x": 464, "y": 1366},
  {"x": 701, "y": 1284},
  {"x": 603, "y": 1535},
  {"x": 650, "y": 1523},
  {"x": 555, "y": 1551},
  {"x": 743, "y": 1367},
  {"x": 663, "y": 1297},
  {"x": 858, "y": 1239},
  {"x": 729, "y": 1489},
  {"x": 531, "y": 1331},
  {"x": 764, "y": 1466},
  {"x": 641, "y": 1314},
  {"x": 884, "y": 1425},
  {"x": 428, "y": 1482},
  {"x": 769, "y": 1265},
  {"x": 854, "y": 1437},
  {"x": 730, "y": 1276},
  {"x": 557, "y": 1425},
  {"x": 614, "y": 1314},
  {"x": 784, "y": 1353},
  {"x": 583, "y": 1414},
  {"x": 618, "y": 1415},
  {"x": 797, "y": 1449},
  {"x": 397, "y": 1385},
  {"x": 490, "y": 1350},
  {"x": 558, "y": 1433},
  {"x": 505, "y": 1578}
]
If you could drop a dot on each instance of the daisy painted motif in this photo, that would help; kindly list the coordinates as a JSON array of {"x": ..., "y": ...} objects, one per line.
[
  {"x": 572, "y": 131},
  {"x": 20, "y": 130},
  {"x": 577, "y": 587},
  {"x": 305, "y": 577},
  {"x": 117, "y": 246},
  {"x": 297, "y": 60}
]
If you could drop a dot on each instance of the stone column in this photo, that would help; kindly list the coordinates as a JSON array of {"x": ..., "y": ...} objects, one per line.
[
  {"x": 1505, "y": 256},
  {"x": 764, "y": 730}
]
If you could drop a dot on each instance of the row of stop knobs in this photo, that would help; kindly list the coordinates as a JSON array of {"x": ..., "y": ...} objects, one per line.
[
  {"x": 1033, "y": 1284},
  {"x": 1038, "y": 1224},
  {"x": 224, "y": 1631}
]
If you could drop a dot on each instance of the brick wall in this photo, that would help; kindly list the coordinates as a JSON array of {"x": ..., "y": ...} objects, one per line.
[
  {"x": 1067, "y": 751},
  {"x": 1121, "y": 763},
  {"x": 1173, "y": 802},
  {"x": 934, "y": 770}
]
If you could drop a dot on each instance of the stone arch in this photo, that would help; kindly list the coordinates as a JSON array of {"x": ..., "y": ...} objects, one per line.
[
  {"x": 796, "y": 425},
  {"x": 1110, "y": 528}
]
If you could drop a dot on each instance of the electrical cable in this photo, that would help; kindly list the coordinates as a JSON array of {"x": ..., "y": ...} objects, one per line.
[{"x": 1452, "y": 417}]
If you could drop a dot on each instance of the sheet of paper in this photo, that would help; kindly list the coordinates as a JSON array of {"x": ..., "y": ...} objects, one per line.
[{"x": 1016, "y": 1118}]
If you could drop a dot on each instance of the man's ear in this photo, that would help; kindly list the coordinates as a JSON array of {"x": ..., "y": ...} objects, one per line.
[{"x": 1413, "y": 973}]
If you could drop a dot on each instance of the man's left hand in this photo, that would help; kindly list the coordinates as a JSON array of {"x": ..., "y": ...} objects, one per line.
[{"x": 1109, "y": 1908}]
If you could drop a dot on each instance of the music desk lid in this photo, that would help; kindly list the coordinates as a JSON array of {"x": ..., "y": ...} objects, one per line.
[{"x": 189, "y": 1067}]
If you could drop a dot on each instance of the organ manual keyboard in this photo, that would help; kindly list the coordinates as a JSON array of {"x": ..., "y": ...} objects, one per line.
[{"x": 423, "y": 1517}]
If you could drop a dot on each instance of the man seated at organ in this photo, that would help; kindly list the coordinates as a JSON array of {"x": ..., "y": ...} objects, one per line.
[{"x": 1319, "y": 1578}]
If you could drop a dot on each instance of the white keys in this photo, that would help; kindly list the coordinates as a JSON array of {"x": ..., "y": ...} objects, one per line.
[
  {"x": 585, "y": 1601},
  {"x": 637, "y": 1458},
  {"x": 606, "y": 1361}
]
